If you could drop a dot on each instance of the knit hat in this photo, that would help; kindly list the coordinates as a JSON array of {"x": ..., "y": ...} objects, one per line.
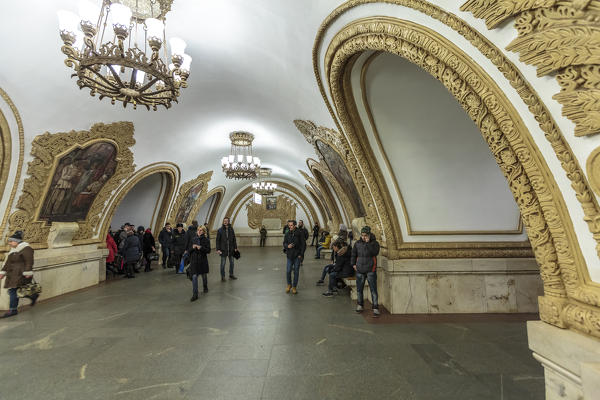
[
  {"x": 366, "y": 229},
  {"x": 16, "y": 237},
  {"x": 179, "y": 225}
]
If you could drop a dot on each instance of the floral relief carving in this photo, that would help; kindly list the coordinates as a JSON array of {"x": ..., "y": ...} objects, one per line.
[{"x": 46, "y": 150}]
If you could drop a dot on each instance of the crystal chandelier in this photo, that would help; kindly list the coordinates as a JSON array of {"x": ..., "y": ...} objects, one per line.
[
  {"x": 261, "y": 186},
  {"x": 124, "y": 63},
  {"x": 241, "y": 163}
]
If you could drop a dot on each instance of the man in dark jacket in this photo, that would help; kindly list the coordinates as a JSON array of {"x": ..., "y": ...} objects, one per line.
[
  {"x": 364, "y": 262},
  {"x": 165, "y": 238},
  {"x": 341, "y": 268},
  {"x": 315, "y": 234},
  {"x": 178, "y": 246},
  {"x": 226, "y": 245},
  {"x": 190, "y": 234},
  {"x": 293, "y": 246},
  {"x": 132, "y": 252}
]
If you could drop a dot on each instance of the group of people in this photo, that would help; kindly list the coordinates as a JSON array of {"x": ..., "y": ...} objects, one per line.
[{"x": 129, "y": 250}]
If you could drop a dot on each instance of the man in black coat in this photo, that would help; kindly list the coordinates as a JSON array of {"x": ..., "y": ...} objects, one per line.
[
  {"x": 303, "y": 236},
  {"x": 178, "y": 246},
  {"x": 165, "y": 238},
  {"x": 190, "y": 234},
  {"x": 293, "y": 247},
  {"x": 132, "y": 252},
  {"x": 315, "y": 234},
  {"x": 364, "y": 262},
  {"x": 341, "y": 268},
  {"x": 226, "y": 245}
]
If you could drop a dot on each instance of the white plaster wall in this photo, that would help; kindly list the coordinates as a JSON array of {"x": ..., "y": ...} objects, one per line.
[
  {"x": 204, "y": 211},
  {"x": 139, "y": 204}
]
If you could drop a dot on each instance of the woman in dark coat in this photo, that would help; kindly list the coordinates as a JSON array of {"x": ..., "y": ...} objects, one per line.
[
  {"x": 149, "y": 248},
  {"x": 199, "y": 248},
  {"x": 18, "y": 270}
]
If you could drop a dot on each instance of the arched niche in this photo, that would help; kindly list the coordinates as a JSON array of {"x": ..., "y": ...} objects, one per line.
[
  {"x": 209, "y": 208},
  {"x": 144, "y": 199}
]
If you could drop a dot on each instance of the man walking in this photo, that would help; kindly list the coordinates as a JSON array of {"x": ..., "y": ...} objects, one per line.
[
  {"x": 303, "y": 232},
  {"x": 364, "y": 262},
  {"x": 165, "y": 237},
  {"x": 226, "y": 246},
  {"x": 293, "y": 247}
]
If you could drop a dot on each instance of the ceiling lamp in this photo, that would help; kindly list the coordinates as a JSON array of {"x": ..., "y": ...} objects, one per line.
[
  {"x": 261, "y": 186},
  {"x": 241, "y": 163},
  {"x": 124, "y": 62}
]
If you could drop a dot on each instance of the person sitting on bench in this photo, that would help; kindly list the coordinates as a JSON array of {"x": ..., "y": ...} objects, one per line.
[{"x": 342, "y": 268}]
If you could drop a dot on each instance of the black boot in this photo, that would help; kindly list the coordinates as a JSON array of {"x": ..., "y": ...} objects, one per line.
[{"x": 33, "y": 299}]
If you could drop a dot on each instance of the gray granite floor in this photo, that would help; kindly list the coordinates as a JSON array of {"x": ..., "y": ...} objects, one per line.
[{"x": 246, "y": 339}]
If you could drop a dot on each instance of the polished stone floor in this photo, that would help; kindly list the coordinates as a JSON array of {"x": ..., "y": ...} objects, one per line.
[{"x": 246, "y": 339}]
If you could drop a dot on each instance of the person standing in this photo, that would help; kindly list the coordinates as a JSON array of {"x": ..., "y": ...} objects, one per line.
[
  {"x": 226, "y": 246},
  {"x": 303, "y": 232},
  {"x": 132, "y": 252},
  {"x": 149, "y": 246},
  {"x": 112, "y": 251},
  {"x": 178, "y": 246},
  {"x": 18, "y": 271},
  {"x": 165, "y": 237},
  {"x": 191, "y": 233},
  {"x": 293, "y": 248},
  {"x": 364, "y": 262},
  {"x": 315, "y": 231},
  {"x": 263, "y": 236},
  {"x": 199, "y": 248}
]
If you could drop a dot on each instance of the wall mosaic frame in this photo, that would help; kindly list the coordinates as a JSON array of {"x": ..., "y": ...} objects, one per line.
[
  {"x": 184, "y": 191},
  {"x": 46, "y": 151}
]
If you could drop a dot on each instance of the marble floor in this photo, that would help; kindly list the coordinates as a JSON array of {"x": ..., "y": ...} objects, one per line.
[{"x": 143, "y": 339}]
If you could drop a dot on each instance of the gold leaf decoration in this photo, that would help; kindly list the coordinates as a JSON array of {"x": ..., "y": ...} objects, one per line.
[{"x": 286, "y": 209}]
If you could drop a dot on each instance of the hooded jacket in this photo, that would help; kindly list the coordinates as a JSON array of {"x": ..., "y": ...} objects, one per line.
[
  {"x": 342, "y": 264},
  {"x": 18, "y": 266},
  {"x": 364, "y": 255}
]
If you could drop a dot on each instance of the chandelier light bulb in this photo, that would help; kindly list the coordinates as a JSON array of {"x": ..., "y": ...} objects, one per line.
[
  {"x": 139, "y": 77},
  {"x": 154, "y": 28},
  {"x": 121, "y": 14},
  {"x": 187, "y": 63},
  {"x": 178, "y": 46},
  {"x": 68, "y": 21},
  {"x": 88, "y": 12},
  {"x": 79, "y": 43}
]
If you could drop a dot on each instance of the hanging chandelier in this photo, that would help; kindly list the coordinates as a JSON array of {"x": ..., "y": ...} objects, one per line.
[
  {"x": 241, "y": 163},
  {"x": 124, "y": 63},
  {"x": 261, "y": 186}
]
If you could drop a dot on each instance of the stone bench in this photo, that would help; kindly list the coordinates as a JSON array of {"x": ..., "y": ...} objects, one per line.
[
  {"x": 351, "y": 283},
  {"x": 326, "y": 252}
]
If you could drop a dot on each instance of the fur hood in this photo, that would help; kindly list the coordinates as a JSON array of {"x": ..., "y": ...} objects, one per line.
[{"x": 19, "y": 247}]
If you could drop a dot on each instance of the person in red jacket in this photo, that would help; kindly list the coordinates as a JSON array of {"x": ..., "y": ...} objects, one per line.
[{"x": 111, "y": 245}]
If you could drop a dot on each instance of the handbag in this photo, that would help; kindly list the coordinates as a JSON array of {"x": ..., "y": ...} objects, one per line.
[
  {"x": 188, "y": 272},
  {"x": 29, "y": 289},
  {"x": 236, "y": 254},
  {"x": 153, "y": 256}
]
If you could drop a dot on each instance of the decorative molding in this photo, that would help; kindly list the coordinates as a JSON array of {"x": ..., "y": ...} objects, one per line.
[
  {"x": 411, "y": 232},
  {"x": 219, "y": 191},
  {"x": 593, "y": 170},
  {"x": 560, "y": 38},
  {"x": 46, "y": 151},
  {"x": 333, "y": 189},
  {"x": 552, "y": 234},
  {"x": 320, "y": 179},
  {"x": 171, "y": 172},
  {"x": 184, "y": 191},
  {"x": 286, "y": 210},
  {"x": 6, "y": 163},
  {"x": 313, "y": 187}
]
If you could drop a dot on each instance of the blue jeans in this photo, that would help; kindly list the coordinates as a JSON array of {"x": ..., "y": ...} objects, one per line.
[
  {"x": 165, "y": 254},
  {"x": 223, "y": 265},
  {"x": 195, "y": 284},
  {"x": 293, "y": 263},
  {"x": 319, "y": 248},
  {"x": 371, "y": 277},
  {"x": 332, "y": 280},
  {"x": 14, "y": 299},
  {"x": 328, "y": 268}
]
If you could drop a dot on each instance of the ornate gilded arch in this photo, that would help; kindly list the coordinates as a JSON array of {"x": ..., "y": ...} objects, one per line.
[
  {"x": 219, "y": 192},
  {"x": 313, "y": 189},
  {"x": 197, "y": 187},
  {"x": 7, "y": 157},
  {"x": 169, "y": 170},
  {"x": 47, "y": 149},
  {"x": 320, "y": 176},
  {"x": 544, "y": 213}
]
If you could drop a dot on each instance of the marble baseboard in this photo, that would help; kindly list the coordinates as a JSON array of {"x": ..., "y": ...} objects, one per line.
[
  {"x": 63, "y": 270},
  {"x": 571, "y": 361},
  {"x": 422, "y": 286}
]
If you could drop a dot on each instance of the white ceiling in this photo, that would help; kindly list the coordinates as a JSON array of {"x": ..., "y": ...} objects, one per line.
[{"x": 251, "y": 70}]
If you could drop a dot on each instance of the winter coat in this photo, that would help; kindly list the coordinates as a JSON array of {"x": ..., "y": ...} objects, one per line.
[
  {"x": 132, "y": 248},
  {"x": 316, "y": 230},
  {"x": 303, "y": 233},
  {"x": 343, "y": 235},
  {"x": 293, "y": 238},
  {"x": 149, "y": 243},
  {"x": 226, "y": 241},
  {"x": 178, "y": 243},
  {"x": 364, "y": 255},
  {"x": 198, "y": 259},
  {"x": 263, "y": 233},
  {"x": 18, "y": 266},
  {"x": 112, "y": 249},
  {"x": 326, "y": 243},
  {"x": 165, "y": 238},
  {"x": 190, "y": 234},
  {"x": 122, "y": 237},
  {"x": 342, "y": 265}
]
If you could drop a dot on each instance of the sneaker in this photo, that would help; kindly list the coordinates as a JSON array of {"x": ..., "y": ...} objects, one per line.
[
  {"x": 287, "y": 289},
  {"x": 320, "y": 283},
  {"x": 376, "y": 312},
  {"x": 232, "y": 277},
  {"x": 194, "y": 297},
  {"x": 328, "y": 294},
  {"x": 359, "y": 308},
  {"x": 294, "y": 291},
  {"x": 9, "y": 314}
]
